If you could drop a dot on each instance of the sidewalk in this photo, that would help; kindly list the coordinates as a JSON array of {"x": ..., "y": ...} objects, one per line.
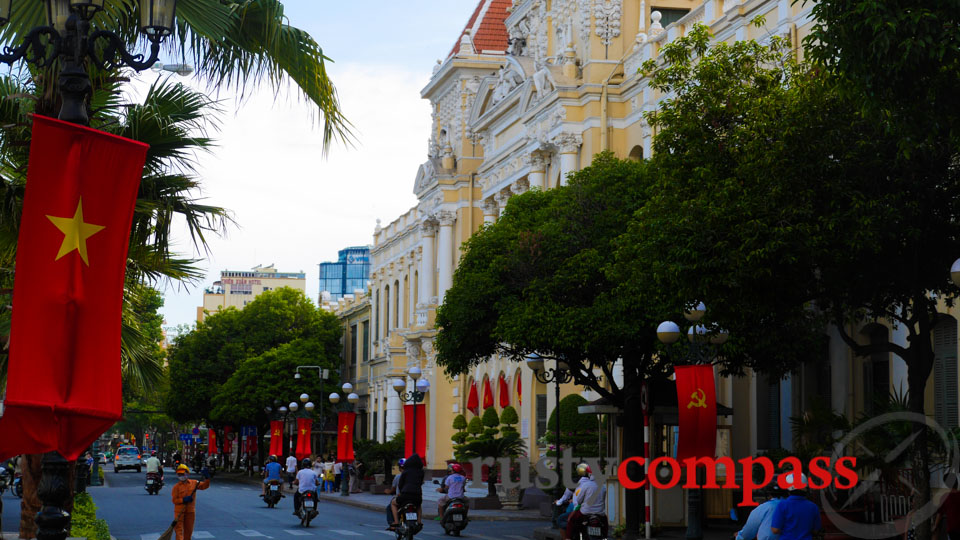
[{"x": 377, "y": 503}]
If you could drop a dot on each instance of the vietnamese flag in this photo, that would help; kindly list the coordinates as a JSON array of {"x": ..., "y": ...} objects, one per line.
[
  {"x": 276, "y": 438},
  {"x": 473, "y": 402},
  {"x": 697, "y": 408},
  {"x": 212, "y": 443},
  {"x": 408, "y": 448},
  {"x": 304, "y": 427},
  {"x": 345, "y": 422},
  {"x": 504, "y": 389},
  {"x": 487, "y": 394},
  {"x": 64, "y": 386}
]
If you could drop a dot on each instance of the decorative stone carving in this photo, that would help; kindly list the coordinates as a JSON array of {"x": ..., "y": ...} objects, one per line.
[
  {"x": 520, "y": 186},
  {"x": 507, "y": 80},
  {"x": 446, "y": 218},
  {"x": 466, "y": 43},
  {"x": 655, "y": 26},
  {"x": 436, "y": 67},
  {"x": 429, "y": 351},
  {"x": 543, "y": 83},
  {"x": 413, "y": 350},
  {"x": 502, "y": 197},
  {"x": 538, "y": 162},
  {"x": 583, "y": 8},
  {"x": 490, "y": 207},
  {"x": 429, "y": 227},
  {"x": 606, "y": 14},
  {"x": 568, "y": 143}
]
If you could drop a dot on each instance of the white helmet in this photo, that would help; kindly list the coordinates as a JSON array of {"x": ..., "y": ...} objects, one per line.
[{"x": 789, "y": 481}]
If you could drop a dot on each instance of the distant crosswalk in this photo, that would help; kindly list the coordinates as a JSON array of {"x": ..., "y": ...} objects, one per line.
[{"x": 251, "y": 533}]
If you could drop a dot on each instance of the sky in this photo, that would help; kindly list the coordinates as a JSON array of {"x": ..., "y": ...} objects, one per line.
[{"x": 292, "y": 206}]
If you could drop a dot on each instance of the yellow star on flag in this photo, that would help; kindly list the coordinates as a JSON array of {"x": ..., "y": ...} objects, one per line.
[{"x": 75, "y": 233}]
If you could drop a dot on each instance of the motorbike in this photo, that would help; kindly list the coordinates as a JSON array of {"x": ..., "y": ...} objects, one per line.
[
  {"x": 154, "y": 483},
  {"x": 593, "y": 527},
  {"x": 273, "y": 495},
  {"x": 408, "y": 526},
  {"x": 454, "y": 517},
  {"x": 308, "y": 508},
  {"x": 5, "y": 479},
  {"x": 18, "y": 485}
]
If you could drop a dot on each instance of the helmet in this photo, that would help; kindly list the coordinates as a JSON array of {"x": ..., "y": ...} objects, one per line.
[
  {"x": 153, "y": 452},
  {"x": 305, "y": 463},
  {"x": 401, "y": 462},
  {"x": 789, "y": 481},
  {"x": 273, "y": 458},
  {"x": 584, "y": 470},
  {"x": 457, "y": 468},
  {"x": 183, "y": 468}
]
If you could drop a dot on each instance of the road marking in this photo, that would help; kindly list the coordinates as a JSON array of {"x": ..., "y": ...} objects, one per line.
[
  {"x": 250, "y": 532},
  {"x": 388, "y": 533},
  {"x": 294, "y": 532},
  {"x": 151, "y": 536},
  {"x": 202, "y": 534},
  {"x": 346, "y": 533}
]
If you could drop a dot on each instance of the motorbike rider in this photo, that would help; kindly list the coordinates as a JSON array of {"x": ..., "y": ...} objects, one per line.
[
  {"x": 305, "y": 481},
  {"x": 153, "y": 464},
  {"x": 271, "y": 472},
  {"x": 452, "y": 487},
  {"x": 409, "y": 489},
  {"x": 393, "y": 491},
  {"x": 588, "y": 497}
]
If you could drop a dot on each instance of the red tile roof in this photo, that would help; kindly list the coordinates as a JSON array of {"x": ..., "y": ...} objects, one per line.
[{"x": 491, "y": 33}]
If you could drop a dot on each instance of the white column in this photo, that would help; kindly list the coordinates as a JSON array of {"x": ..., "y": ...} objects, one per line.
[
  {"x": 394, "y": 413},
  {"x": 538, "y": 171},
  {"x": 569, "y": 145},
  {"x": 427, "y": 265},
  {"x": 490, "y": 211},
  {"x": 445, "y": 259},
  {"x": 502, "y": 197}
]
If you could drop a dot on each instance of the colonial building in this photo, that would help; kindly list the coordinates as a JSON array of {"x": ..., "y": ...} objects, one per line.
[
  {"x": 237, "y": 288},
  {"x": 531, "y": 91}
]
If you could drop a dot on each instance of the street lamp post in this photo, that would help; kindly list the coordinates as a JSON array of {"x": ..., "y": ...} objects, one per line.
[
  {"x": 421, "y": 387},
  {"x": 67, "y": 38},
  {"x": 352, "y": 399},
  {"x": 323, "y": 374},
  {"x": 560, "y": 375},
  {"x": 700, "y": 351}
]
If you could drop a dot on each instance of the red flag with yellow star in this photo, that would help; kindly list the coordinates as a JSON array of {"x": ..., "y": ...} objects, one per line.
[
  {"x": 304, "y": 427},
  {"x": 63, "y": 379}
]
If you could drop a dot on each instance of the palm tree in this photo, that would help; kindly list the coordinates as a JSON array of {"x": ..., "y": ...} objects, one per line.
[
  {"x": 509, "y": 445},
  {"x": 234, "y": 44}
]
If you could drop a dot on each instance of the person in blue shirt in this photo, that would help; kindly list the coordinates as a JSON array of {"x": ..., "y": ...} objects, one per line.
[
  {"x": 796, "y": 517},
  {"x": 757, "y": 526},
  {"x": 271, "y": 472}
]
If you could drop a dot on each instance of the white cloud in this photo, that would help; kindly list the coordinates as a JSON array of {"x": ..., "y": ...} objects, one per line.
[{"x": 294, "y": 208}]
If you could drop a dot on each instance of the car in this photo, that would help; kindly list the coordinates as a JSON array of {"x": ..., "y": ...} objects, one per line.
[
  {"x": 103, "y": 459},
  {"x": 128, "y": 457}
]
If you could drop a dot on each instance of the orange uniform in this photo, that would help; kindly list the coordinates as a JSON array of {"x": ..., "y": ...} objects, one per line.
[{"x": 186, "y": 513}]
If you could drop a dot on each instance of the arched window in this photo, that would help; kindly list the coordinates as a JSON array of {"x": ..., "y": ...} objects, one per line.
[
  {"x": 945, "y": 398},
  {"x": 376, "y": 315},
  {"x": 406, "y": 294},
  {"x": 636, "y": 153},
  {"x": 386, "y": 310}
]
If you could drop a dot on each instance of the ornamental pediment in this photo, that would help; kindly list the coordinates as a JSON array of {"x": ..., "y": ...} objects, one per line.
[
  {"x": 426, "y": 176},
  {"x": 500, "y": 91}
]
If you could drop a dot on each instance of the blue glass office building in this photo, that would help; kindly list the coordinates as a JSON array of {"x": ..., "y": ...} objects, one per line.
[{"x": 350, "y": 272}]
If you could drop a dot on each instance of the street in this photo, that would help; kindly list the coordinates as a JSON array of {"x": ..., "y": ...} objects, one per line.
[{"x": 234, "y": 510}]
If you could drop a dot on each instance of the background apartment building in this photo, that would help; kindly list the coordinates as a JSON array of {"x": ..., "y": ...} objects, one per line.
[{"x": 237, "y": 288}]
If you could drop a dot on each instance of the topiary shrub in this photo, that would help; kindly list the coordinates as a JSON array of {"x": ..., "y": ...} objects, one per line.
[
  {"x": 460, "y": 422},
  {"x": 578, "y": 431},
  {"x": 509, "y": 418},
  {"x": 475, "y": 427},
  {"x": 491, "y": 421}
]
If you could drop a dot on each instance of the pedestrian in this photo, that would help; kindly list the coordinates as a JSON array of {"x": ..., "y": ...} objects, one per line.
[
  {"x": 184, "y": 502},
  {"x": 758, "y": 525},
  {"x": 318, "y": 470},
  {"x": 796, "y": 517},
  {"x": 291, "y": 469},
  {"x": 337, "y": 475},
  {"x": 949, "y": 510},
  {"x": 328, "y": 477}
]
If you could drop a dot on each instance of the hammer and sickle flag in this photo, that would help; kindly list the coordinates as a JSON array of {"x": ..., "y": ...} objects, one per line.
[
  {"x": 276, "y": 438},
  {"x": 63, "y": 388},
  {"x": 345, "y": 422},
  {"x": 697, "y": 411}
]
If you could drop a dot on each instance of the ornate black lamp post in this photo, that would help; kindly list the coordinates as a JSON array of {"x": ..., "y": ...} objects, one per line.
[
  {"x": 702, "y": 350},
  {"x": 68, "y": 38},
  {"x": 352, "y": 399},
  {"x": 560, "y": 375},
  {"x": 323, "y": 374},
  {"x": 421, "y": 387}
]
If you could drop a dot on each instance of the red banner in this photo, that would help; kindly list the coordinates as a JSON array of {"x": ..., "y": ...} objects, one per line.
[
  {"x": 487, "y": 394},
  {"x": 63, "y": 388},
  {"x": 697, "y": 407},
  {"x": 276, "y": 438},
  {"x": 304, "y": 427},
  {"x": 227, "y": 443},
  {"x": 519, "y": 391},
  {"x": 473, "y": 401},
  {"x": 211, "y": 442},
  {"x": 421, "y": 430},
  {"x": 504, "y": 392},
  {"x": 345, "y": 423}
]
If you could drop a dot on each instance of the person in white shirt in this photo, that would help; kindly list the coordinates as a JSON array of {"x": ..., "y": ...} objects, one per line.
[
  {"x": 588, "y": 498},
  {"x": 337, "y": 475},
  {"x": 291, "y": 469},
  {"x": 153, "y": 464},
  {"x": 306, "y": 481}
]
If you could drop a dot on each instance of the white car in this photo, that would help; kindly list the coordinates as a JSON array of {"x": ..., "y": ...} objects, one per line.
[{"x": 128, "y": 457}]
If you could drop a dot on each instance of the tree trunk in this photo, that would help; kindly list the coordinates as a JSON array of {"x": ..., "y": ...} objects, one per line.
[
  {"x": 918, "y": 370},
  {"x": 492, "y": 481},
  {"x": 632, "y": 429}
]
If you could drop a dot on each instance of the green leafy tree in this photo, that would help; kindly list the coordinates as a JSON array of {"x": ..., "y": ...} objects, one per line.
[{"x": 578, "y": 432}]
